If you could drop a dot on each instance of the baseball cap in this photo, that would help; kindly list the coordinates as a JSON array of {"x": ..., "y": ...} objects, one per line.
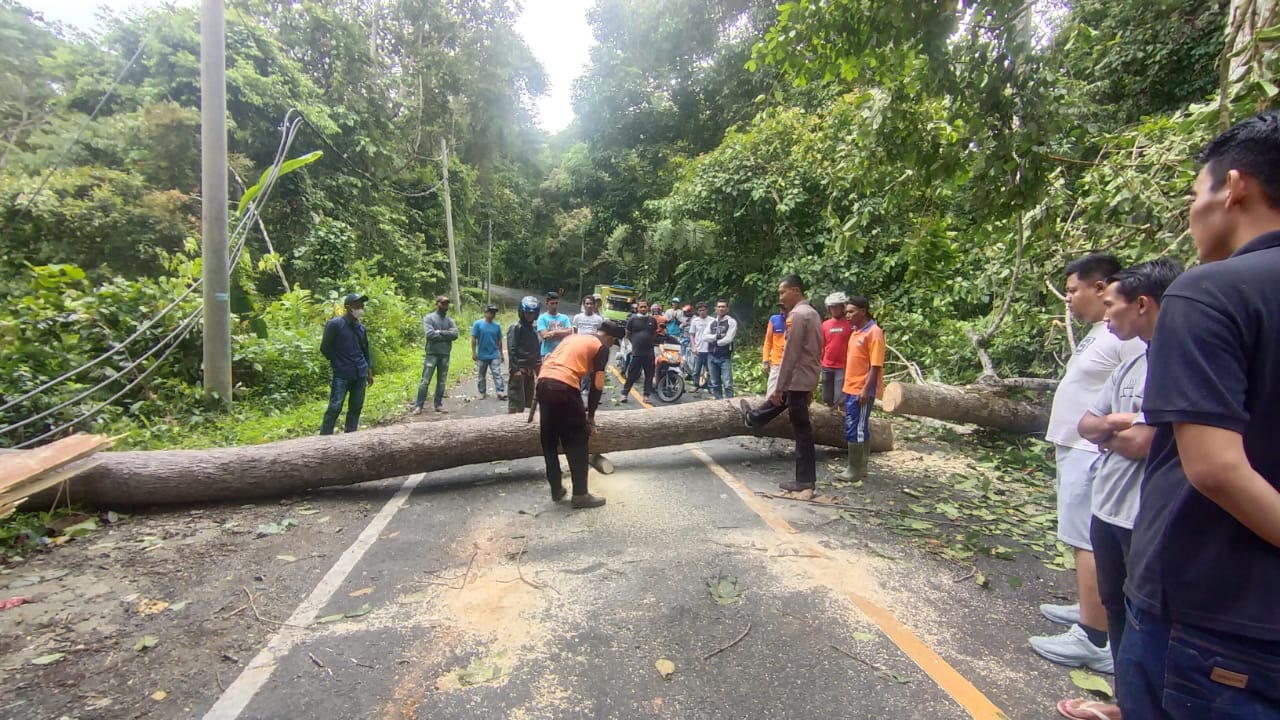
[
  {"x": 491, "y": 308},
  {"x": 837, "y": 298},
  {"x": 353, "y": 298}
]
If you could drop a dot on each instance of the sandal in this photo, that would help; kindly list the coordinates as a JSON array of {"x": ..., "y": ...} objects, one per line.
[{"x": 1084, "y": 709}]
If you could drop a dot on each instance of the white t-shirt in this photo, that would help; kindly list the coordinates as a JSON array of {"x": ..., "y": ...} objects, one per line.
[
  {"x": 585, "y": 324},
  {"x": 1096, "y": 356}
]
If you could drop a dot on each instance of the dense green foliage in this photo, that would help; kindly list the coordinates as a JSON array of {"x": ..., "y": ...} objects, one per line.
[
  {"x": 101, "y": 212},
  {"x": 938, "y": 157},
  {"x": 943, "y": 158}
]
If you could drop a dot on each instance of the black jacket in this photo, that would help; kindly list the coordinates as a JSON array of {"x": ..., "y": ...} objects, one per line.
[{"x": 524, "y": 345}]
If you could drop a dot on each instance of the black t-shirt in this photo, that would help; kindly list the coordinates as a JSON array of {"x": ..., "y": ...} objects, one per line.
[
  {"x": 1214, "y": 360},
  {"x": 641, "y": 330}
]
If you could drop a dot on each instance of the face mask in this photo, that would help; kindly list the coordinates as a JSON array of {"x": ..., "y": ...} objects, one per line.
[{"x": 357, "y": 312}]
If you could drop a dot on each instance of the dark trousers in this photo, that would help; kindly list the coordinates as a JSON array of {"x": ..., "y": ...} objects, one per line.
[
  {"x": 801, "y": 428},
  {"x": 520, "y": 389},
  {"x": 564, "y": 425},
  {"x": 640, "y": 364},
  {"x": 339, "y": 390},
  {"x": 1111, "y": 553},
  {"x": 1172, "y": 671}
]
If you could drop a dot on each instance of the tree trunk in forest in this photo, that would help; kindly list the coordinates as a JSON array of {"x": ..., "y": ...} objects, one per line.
[
  {"x": 965, "y": 405},
  {"x": 170, "y": 477}
]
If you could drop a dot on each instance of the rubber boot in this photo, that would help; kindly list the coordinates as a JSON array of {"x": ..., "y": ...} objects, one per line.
[
  {"x": 859, "y": 455},
  {"x": 847, "y": 474}
]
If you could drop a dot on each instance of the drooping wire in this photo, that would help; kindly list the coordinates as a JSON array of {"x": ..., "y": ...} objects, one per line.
[{"x": 289, "y": 130}]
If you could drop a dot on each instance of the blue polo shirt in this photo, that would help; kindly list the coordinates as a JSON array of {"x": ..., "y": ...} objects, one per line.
[{"x": 1214, "y": 360}]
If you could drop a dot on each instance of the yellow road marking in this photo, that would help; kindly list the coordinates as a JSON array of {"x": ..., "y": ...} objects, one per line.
[{"x": 964, "y": 692}]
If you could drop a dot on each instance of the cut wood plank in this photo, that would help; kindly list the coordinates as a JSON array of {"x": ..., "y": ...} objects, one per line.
[
  {"x": 16, "y": 495},
  {"x": 17, "y": 468}
]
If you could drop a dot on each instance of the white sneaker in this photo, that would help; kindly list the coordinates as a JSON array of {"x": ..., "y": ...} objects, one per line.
[
  {"x": 1062, "y": 614},
  {"x": 1072, "y": 648}
]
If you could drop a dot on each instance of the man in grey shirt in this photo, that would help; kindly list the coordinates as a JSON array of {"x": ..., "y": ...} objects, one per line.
[
  {"x": 441, "y": 331},
  {"x": 801, "y": 368},
  {"x": 1114, "y": 421}
]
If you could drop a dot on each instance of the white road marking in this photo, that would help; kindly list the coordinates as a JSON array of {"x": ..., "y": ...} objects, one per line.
[{"x": 251, "y": 680}]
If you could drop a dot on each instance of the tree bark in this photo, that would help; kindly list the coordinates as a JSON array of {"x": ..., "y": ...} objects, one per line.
[
  {"x": 171, "y": 477},
  {"x": 965, "y": 405}
]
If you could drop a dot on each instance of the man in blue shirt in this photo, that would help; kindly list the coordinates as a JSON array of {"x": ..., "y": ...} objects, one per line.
[
  {"x": 552, "y": 325},
  {"x": 1203, "y": 636},
  {"x": 486, "y": 351},
  {"x": 346, "y": 345}
]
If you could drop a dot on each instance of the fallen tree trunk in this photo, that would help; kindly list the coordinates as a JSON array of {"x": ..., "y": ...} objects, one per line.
[
  {"x": 169, "y": 477},
  {"x": 965, "y": 405}
]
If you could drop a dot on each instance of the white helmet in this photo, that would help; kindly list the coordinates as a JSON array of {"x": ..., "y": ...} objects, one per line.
[{"x": 837, "y": 298}]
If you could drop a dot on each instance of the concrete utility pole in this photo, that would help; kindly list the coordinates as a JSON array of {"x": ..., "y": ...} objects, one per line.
[
  {"x": 213, "y": 202},
  {"x": 448, "y": 223},
  {"x": 488, "y": 267}
]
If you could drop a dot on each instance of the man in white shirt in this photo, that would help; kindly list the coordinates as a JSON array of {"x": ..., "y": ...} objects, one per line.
[
  {"x": 1096, "y": 356},
  {"x": 700, "y": 343}
]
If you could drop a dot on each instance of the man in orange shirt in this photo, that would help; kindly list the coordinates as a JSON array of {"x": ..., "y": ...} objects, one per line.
[
  {"x": 564, "y": 422},
  {"x": 775, "y": 340},
  {"x": 863, "y": 381}
]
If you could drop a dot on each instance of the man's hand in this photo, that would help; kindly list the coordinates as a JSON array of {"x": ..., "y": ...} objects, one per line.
[
  {"x": 369, "y": 379},
  {"x": 474, "y": 358},
  {"x": 591, "y": 426},
  {"x": 776, "y": 398},
  {"x": 865, "y": 397},
  {"x": 501, "y": 358},
  {"x": 766, "y": 368},
  {"x": 1117, "y": 422}
]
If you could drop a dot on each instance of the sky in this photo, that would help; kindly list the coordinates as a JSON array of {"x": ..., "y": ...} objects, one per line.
[{"x": 555, "y": 30}]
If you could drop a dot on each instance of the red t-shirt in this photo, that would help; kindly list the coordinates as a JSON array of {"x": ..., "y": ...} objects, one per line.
[{"x": 835, "y": 342}]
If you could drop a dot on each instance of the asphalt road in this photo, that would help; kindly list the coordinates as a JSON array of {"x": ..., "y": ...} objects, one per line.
[{"x": 486, "y": 600}]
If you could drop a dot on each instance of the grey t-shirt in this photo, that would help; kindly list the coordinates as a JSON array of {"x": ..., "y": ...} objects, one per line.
[{"x": 1117, "y": 480}]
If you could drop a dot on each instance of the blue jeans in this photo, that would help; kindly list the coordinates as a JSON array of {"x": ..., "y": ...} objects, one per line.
[
  {"x": 699, "y": 365},
  {"x": 1179, "y": 672},
  {"x": 339, "y": 389},
  {"x": 494, "y": 367},
  {"x": 439, "y": 365},
  {"x": 720, "y": 371}
]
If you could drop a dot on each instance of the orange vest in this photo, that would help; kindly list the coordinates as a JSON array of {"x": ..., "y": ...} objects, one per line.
[{"x": 573, "y": 359}]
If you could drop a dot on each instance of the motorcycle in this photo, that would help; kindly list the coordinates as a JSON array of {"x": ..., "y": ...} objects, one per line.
[{"x": 669, "y": 378}]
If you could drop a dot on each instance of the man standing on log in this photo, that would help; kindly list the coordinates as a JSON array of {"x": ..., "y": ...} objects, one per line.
[
  {"x": 801, "y": 368},
  {"x": 1116, "y": 424},
  {"x": 564, "y": 422},
  {"x": 836, "y": 331},
  {"x": 346, "y": 345},
  {"x": 863, "y": 383},
  {"x": 1203, "y": 634},
  {"x": 441, "y": 331},
  {"x": 525, "y": 348},
  {"x": 1096, "y": 356}
]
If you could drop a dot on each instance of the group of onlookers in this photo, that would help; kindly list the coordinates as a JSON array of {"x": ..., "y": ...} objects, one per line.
[{"x": 1166, "y": 429}]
